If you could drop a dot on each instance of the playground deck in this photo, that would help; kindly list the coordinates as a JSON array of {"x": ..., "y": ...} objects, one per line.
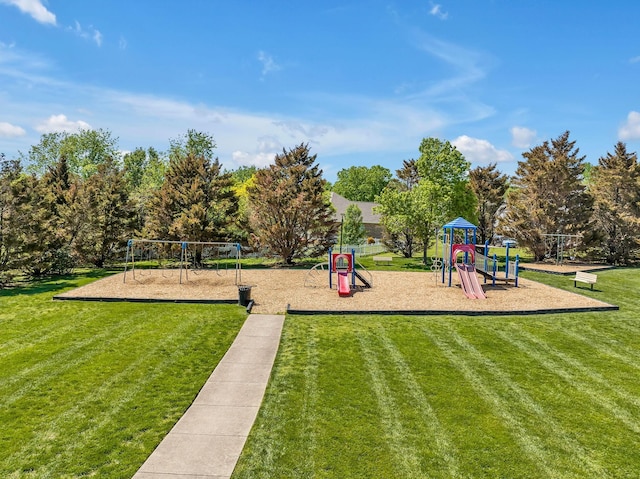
[{"x": 276, "y": 291}]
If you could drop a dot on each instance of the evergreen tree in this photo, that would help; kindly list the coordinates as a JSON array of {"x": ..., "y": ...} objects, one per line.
[
  {"x": 39, "y": 231},
  {"x": 64, "y": 186},
  {"x": 353, "y": 231},
  {"x": 615, "y": 187},
  {"x": 195, "y": 203},
  {"x": 290, "y": 212},
  {"x": 548, "y": 196},
  {"x": 10, "y": 224},
  {"x": 489, "y": 187},
  {"x": 109, "y": 215}
]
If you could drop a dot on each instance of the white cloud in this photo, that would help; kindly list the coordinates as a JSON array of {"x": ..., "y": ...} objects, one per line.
[
  {"x": 469, "y": 66},
  {"x": 436, "y": 11},
  {"x": 122, "y": 43},
  {"x": 522, "y": 137},
  {"x": 34, "y": 8},
  {"x": 7, "y": 130},
  {"x": 60, "y": 123},
  {"x": 268, "y": 63},
  {"x": 97, "y": 37},
  {"x": 353, "y": 126},
  {"x": 88, "y": 33},
  {"x": 630, "y": 130},
  {"x": 480, "y": 151},
  {"x": 635, "y": 59}
]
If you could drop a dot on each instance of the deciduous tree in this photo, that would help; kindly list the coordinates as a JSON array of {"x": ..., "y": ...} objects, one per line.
[
  {"x": 290, "y": 212},
  {"x": 84, "y": 151},
  {"x": 429, "y": 191},
  {"x": 396, "y": 215},
  {"x": 360, "y": 183},
  {"x": 353, "y": 231},
  {"x": 443, "y": 191}
]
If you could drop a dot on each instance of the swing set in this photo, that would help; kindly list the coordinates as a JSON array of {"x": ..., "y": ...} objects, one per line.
[
  {"x": 181, "y": 258},
  {"x": 560, "y": 244}
]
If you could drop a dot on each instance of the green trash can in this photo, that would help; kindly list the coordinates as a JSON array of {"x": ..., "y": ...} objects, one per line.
[{"x": 244, "y": 295}]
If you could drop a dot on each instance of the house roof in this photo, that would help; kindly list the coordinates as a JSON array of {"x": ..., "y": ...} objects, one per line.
[{"x": 341, "y": 204}]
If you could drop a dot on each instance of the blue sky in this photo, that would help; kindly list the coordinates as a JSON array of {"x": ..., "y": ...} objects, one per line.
[{"x": 361, "y": 81}]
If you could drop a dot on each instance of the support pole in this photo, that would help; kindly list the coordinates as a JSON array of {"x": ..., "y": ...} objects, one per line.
[
  {"x": 330, "y": 272},
  {"x": 353, "y": 268},
  {"x": 126, "y": 261},
  {"x": 506, "y": 266},
  {"x": 238, "y": 264},
  {"x": 495, "y": 268},
  {"x": 183, "y": 254},
  {"x": 486, "y": 258}
]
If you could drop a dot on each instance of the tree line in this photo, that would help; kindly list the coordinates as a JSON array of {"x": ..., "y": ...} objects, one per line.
[
  {"x": 554, "y": 191},
  {"x": 74, "y": 199}
]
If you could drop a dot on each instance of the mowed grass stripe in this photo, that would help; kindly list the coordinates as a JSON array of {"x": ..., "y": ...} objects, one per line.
[
  {"x": 405, "y": 456},
  {"x": 29, "y": 360},
  {"x": 51, "y": 330},
  {"x": 444, "y": 447},
  {"x": 588, "y": 373},
  {"x": 310, "y": 405},
  {"x": 265, "y": 450},
  {"x": 46, "y": 371},
  {"x": 186, "y": 333},
  {"x": 601, "y": 344},
  {"x": 555, "y": 367},
  {"x": 516, "y": 395},
  {"x": 531, "y": 445}
]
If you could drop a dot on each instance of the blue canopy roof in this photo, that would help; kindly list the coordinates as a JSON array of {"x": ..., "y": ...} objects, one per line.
[{"x": 460, "y": 223}]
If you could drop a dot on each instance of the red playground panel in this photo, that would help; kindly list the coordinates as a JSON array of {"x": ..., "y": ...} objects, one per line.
[{"x": 342, "y": 262}]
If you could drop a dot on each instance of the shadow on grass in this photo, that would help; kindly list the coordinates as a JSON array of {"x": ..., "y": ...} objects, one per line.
[{"x": 52, "y": 284}]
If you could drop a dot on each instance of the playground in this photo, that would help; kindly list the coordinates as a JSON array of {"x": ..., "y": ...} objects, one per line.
[
  {"x": 340, "y": 285},
  {"x": 274, "y": 289}
]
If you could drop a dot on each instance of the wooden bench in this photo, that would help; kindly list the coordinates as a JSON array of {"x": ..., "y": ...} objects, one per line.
[
  {"x": 382, "y": 259},
  {"x": 585, "y": 278}
]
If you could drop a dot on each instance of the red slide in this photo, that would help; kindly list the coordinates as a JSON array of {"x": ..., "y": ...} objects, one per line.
[
  {"x": 465, "y": 281},
  {"x": 343, "y": 284},
  {"x": 475, "y": 284}
]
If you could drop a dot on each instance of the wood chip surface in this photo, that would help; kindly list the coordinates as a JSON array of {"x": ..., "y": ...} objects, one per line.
[{"x": 274, "y": 289}]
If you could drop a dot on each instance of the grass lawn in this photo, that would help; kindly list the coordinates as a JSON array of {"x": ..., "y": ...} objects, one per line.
[
  {"x": 89, "y": 389},
  {"x": 414, "y": 397}
]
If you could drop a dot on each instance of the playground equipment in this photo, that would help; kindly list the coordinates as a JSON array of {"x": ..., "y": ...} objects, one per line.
[
  {"x": 448, "y": 241},
  {"x": 343, "y": 265},
  {"x": 473, "y": 262},
  {"x": 490, "y": 269},
  {"x": 181, "y": 256},
  {"x": 467, "y": 271},
  {"x": 560, "y": 243}
]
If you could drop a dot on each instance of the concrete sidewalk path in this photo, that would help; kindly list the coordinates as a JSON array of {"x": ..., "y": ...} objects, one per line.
[{"x": 207, "y": 441}]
